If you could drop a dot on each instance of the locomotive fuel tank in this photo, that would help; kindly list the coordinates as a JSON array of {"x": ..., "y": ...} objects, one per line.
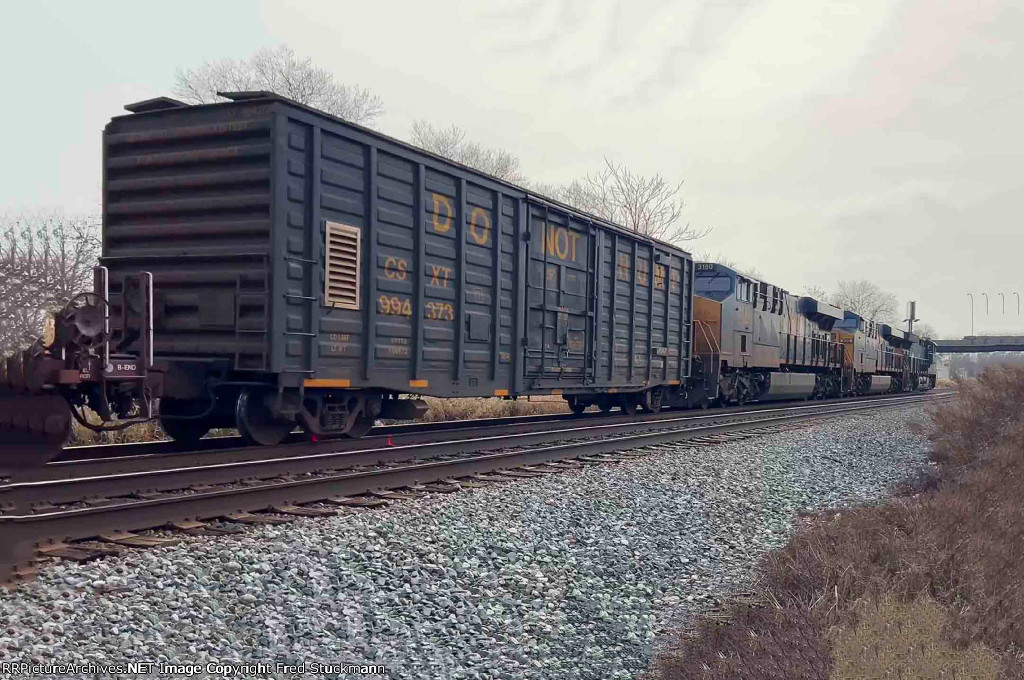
[
  {"x": 788, "y": 386},
  {"x": 880, "y": 384}
]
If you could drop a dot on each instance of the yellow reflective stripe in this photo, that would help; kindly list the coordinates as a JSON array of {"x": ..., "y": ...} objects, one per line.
[{"x": 326, "y": 382}]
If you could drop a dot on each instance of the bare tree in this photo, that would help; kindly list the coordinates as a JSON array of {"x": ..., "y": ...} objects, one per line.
[
  {"x": 869, "y": 301},
  {"x": 866, "y": 299},
  {"x": 716, "y": 257},
  {"x": 724, "y": 260},
  {"x": 820, "y": 294},
  {"x": 45, "y": 259},
  {"x": 925, "y": 330},
  {"x": 648, "y": 204},
  {"x": 450, "y": 143},
  {"x": 280, "y": 71}
]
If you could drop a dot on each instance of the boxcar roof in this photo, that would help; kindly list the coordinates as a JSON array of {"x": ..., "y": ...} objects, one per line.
[{"x": 160, "y": 105}]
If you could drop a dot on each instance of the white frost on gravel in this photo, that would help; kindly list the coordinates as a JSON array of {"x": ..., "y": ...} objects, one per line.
[{"x": 566, "y": 576}]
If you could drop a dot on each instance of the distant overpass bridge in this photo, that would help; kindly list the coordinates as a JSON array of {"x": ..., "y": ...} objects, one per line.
[{"x": 981, "y": 343}]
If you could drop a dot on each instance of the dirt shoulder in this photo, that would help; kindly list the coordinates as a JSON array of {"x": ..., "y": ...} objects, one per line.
[{"x": 929, "y": 585}]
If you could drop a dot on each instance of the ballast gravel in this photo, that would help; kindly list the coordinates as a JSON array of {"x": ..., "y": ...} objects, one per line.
[{"x": 570, "y": 575}]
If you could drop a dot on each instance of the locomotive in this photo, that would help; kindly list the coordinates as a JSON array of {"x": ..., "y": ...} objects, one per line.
[
  {"x": 267, "y": 266},
  {"x": 765, "y": 343}
]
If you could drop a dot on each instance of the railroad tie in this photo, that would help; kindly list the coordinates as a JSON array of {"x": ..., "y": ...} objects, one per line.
[
  {"x": 395, "y": 495},
  {"x": 596, "y": 460},
  {"x": 467, "y": 483},
  {"x": 151, "y": 495},
  {"x": 131, "y": 540},
  {"x": 443, "y": 487},
  {"x": 545, "y": 469},
  {"x": 491, "y": 478},
  {"x": 521, "y": 474},
  {"x": 356, "y": 501},
  {"x": 564, "y": 465},
  {"x": 99, "y": 502},
  {"x": 75, "y": 553},
  {"x": 248, "y": 518},
  {"x": 303, "y": 512},
  {"x": 193, "y": 528}
]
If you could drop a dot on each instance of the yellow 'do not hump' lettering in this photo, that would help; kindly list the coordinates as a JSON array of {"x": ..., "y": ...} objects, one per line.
[
  {"x": 480, "y": 226},
  {"x": 561, "y": 242},
  {"x": 443, "y": 226}
]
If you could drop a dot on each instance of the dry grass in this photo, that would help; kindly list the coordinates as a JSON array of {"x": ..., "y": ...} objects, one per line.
[
  {"x": 136, "y": 434},
  {"x": 471, "y": 408},
  {"x": 896, "y": 640},
  {"x": 952, "y": 543},
  {"x": 146, "y": 432}
]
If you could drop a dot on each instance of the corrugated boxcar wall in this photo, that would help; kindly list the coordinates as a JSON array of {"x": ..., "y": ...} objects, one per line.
[
  {"x": 559, "y": 299},
  {"x": 437, "y": 271},
  {"x": 600, "y": 302},
  {"x": 644, "y": 311},
  {"x": 187, "y": 196}
]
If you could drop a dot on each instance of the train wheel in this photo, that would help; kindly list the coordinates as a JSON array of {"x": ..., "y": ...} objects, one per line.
[
  {"x": 360, "y": 427},
  {"x": 256, "y": 423},
  {"x": 628, "y": 404},
  {"x": 576, "y": 405},
  {"x": 184, "y": 430},
  {"x": 651, "y": 400}
]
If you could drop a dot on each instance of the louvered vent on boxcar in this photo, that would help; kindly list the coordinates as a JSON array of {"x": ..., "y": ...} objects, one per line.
[
  {"x": 187, "y": 196},
  {"x": 342, "y": 280}
]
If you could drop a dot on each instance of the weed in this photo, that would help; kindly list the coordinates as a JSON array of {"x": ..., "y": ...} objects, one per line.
[{"x": 941, "y": 566}]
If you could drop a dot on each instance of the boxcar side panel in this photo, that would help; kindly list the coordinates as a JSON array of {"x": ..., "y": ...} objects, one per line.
[
  {"x": 559, "y": 290},
  {"x": 436, "y": 280},
  {"x": 294, "y": 267},
  {"x": 605, "y": 310}
]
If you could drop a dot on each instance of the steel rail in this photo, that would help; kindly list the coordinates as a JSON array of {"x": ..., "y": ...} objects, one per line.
[
  {"x": 23, "y": 496},
  {"x": 23, "y": 533}
]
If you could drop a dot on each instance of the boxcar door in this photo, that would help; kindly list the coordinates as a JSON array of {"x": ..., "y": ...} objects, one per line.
[{"x": 560, "y": 297}]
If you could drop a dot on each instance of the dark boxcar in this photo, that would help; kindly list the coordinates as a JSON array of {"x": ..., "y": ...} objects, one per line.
[{"x": 308, "y": 270}]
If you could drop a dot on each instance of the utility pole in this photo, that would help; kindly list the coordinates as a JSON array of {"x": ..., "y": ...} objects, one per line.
[
  {"x": 972, "y": 312},
  {"x": 911, "y": 315}
]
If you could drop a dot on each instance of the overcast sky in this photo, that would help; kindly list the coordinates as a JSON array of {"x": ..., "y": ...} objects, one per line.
[{"x": 875, "y": 140}]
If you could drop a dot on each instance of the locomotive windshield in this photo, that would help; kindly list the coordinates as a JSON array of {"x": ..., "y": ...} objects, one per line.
[{"x": 716, "y": 284}]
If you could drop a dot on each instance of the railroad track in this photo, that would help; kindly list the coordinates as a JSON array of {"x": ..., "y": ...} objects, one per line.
[
  {"x": 92, "y": 477},
  {"x": 120, "y": 458},
  {"x": 43, "y": 514}
]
